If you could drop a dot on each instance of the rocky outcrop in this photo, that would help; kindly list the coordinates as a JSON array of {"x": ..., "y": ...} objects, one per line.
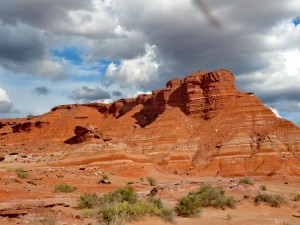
[
  {"x": 84, "y": 133},
  {"x": 198, "y": 124}
]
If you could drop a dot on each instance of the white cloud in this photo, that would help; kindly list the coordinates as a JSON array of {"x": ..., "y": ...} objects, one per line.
[
  {"x": 140, "y": 70},
  {"x": 277, "y": 84},
  {"x": 5, "y": 102},
  {"x": 275, "y": 111}
]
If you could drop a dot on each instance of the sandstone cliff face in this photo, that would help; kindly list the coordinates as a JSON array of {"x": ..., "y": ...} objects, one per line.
[{"x": 200, "y": 124}]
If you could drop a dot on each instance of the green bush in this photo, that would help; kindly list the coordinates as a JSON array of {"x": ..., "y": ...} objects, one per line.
[
  {"x": 21, "y": 173},
  {"x": 121, "y": 212},
  {"x": 64, "y": 188},
  {"x": 214, "y": 196},
  {"x": 296, "y": 197},
  {"x": 246, "y": 180},
  {"x": 274, "y": 201},
  {"x": 86, "y": 213},
  {"x": 151, "y": 181},
  {"x": 88, "y": 200},
  {"x": 188, "y": 206},
  {"x": 126, "y": 194},
  {"x": 123, "y": 205},
  {"x": 205, "y": 196}
]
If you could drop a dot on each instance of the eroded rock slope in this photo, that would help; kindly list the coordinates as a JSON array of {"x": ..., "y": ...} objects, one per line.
[{"x": 199, "y": 124}]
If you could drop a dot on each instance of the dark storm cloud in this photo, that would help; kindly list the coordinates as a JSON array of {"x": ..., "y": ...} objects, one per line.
[
  {"x": 183, "y": 35},
  {"x": 20, "y": 44},
  {"x": 187, "y": 42},
  {"x": 24, "y": 50},
  {"x": 39, "y": 13},
  {"x": 41, "y": 90},
  {"x": 117, "y": 93},
  {"x": 87, "y": 94}
]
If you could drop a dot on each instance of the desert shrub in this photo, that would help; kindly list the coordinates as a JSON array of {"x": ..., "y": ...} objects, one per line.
[
  {"x": 156, "y": 202},
  {"x": 21, "y": 173},
  {"x": 121, "y": 212},
  {"x": 64, "y": 188},
  {"x": 86, "y": 213},
  {"x": 105, "y": 176},
  {"x": 296, "y": 197},
  {"x": 126, "y": 194},
  {"x": 205, "y": 196},
  {"x": 88, "y": 200},
  {"x": 246, "y": 180},
  {"x": 214, "y": 196},
  {"x": 229, "y": 216},
  {"x": 123, "y": 205},
  {"x": 274, "y": 201},
  {"x": 263, "y": 187},
  {"x": 151, "y": 181},
  {"x": 188, "y": 206},
  {"x": 130, "y": 183}
]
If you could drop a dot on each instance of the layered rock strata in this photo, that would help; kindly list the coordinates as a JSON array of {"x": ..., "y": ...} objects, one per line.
[{"x": 199, "y": 124}]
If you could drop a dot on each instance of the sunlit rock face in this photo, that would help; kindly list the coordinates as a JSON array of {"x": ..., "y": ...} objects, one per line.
[{"x": 198, "y": 124}]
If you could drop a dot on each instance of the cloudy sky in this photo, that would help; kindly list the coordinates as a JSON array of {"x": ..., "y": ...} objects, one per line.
[{"x": 73, "y": 51}]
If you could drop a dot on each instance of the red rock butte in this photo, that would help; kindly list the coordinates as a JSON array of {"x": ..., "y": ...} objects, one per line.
[{"x": 200, "y": 124}]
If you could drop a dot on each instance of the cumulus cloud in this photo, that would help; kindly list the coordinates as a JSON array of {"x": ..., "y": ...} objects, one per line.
[
  {"x": 259, "y": 42},
  {"x": 277, "y": 83},
  {"x": 49, "y": 14},
  {"x": 140, "y": 70},
  {"x": 41, "y": 90},
  {"x": 87, "y": 94},
  {"x": 6, "y": 105},
  {"x": 27, "y": 53}
]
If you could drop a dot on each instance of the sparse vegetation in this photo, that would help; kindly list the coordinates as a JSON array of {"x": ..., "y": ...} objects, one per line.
[
  {"x": 130, "y": 183},
  {"x": 21, "y": 173},
  {"x": 246, "y": 180},
  {"x": 246, "y": 196},
  {"x": 274, "y": 201},
  {"x": 263, "y": 187},
  {"x": 296, "y": 197},
  {"x": 48, "y": 221},
  {"x": 123, "y": 205},
  {"x": 88, "y": 200},
  {"x": 86, "y": 213},
  {"x": 151, "y": 181},
  {"x": 229, "y": 216},
  {"x": 205, "y": 196},
  {"x": 105, "y": 176},
  {"x": 64, "y": 188},
  {"x": 188, "y": 206}
]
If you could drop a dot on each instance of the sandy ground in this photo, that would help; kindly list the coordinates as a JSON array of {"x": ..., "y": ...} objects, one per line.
[{"x": 32, "y": 200}]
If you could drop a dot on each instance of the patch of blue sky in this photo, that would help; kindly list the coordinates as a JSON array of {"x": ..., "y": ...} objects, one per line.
[
  {"x": 72, "y": 54},
  {"x": 292, "y": 116},
  {"x": 296, "y": 21}
]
